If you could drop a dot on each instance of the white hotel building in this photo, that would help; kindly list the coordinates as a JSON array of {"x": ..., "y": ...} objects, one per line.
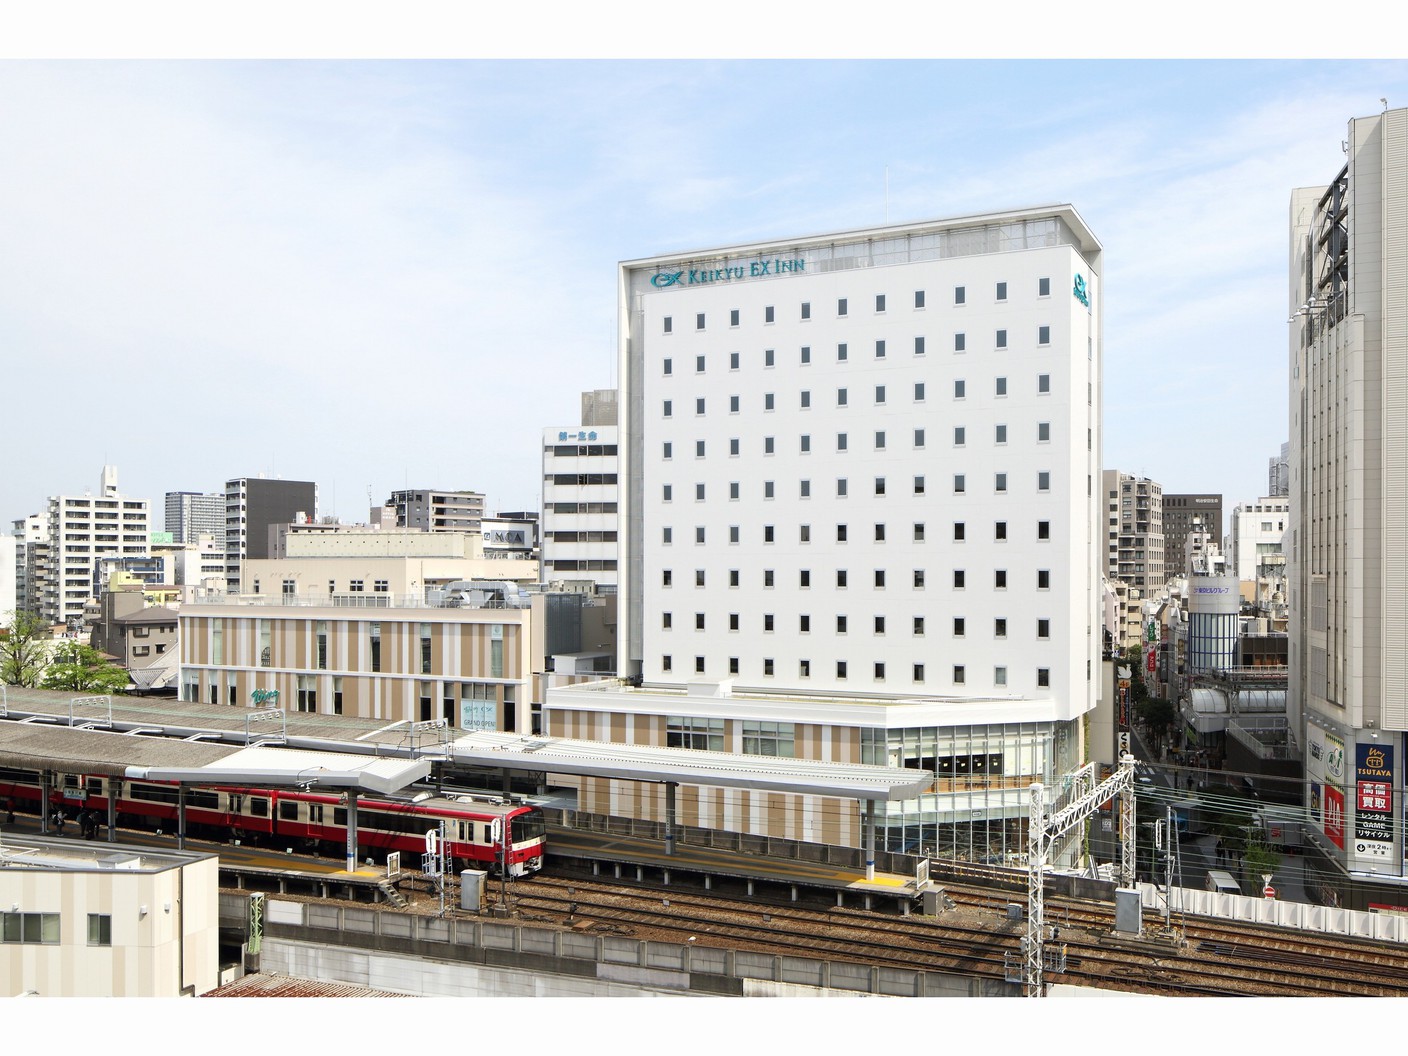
[{"x": 861, "y": 520}]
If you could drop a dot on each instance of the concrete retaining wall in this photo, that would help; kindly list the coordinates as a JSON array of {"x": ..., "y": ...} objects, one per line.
[{"x": 431, "y": 956}]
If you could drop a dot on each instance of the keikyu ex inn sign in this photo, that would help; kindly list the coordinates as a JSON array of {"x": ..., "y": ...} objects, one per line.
[{"x": 707, "y": 276}]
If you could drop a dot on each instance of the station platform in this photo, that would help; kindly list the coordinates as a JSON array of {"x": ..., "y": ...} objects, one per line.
[{"x": 631, "y": 857}]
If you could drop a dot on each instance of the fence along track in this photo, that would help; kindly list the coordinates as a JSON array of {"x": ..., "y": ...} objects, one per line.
[{"x": 973, "y": 939}]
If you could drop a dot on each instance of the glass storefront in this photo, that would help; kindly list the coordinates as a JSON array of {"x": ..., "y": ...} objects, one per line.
[{"x": 978, "y": 806}]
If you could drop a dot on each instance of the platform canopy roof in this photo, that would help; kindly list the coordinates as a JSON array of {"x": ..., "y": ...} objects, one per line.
[
  {"x": 34, "y": 746},
  {"x": 633, "y": 762}
]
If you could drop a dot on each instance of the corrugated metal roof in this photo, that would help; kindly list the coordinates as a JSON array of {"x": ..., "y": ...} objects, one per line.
[
  {"x": 101, "y": 752},
  {"x": 191, "y": 715},
  {"x": 30, "y": 745},
  {"x": 267, "y": 984}
]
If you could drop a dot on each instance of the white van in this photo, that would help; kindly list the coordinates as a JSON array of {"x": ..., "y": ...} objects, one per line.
[{"x": 1221, "y": 881}]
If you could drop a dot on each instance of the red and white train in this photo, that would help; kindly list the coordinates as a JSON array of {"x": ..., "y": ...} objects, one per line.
[{"x": 480, "y": 833}]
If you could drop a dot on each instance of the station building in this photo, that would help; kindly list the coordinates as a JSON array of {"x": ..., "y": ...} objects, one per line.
[
  {"x": 861, "y": 520},
  {"x": 406, "y": 660}
]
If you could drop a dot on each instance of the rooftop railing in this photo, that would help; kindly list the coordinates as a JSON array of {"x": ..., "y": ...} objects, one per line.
[{"x": 356, "y": 600}]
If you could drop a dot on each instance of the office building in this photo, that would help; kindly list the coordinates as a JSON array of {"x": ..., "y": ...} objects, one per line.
[
  {"x": 1182, "y": 514},
  {"x": 359, "y": 565},
  {"x": 858, "y": 496},
  {"x": 510, "y": 536},
  {"x": 1348, "y": 541},
  {"x": 253, "y": 506},
  {"x": 581, "y": 495}
]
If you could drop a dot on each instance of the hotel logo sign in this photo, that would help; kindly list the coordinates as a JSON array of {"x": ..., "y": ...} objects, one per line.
[
  {"x": 1079, "y": 290},
  {"x": 707, "y": 276}
]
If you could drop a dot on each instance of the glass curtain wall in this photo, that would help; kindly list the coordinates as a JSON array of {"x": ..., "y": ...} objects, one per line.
[{"x": 977, "y": 809}]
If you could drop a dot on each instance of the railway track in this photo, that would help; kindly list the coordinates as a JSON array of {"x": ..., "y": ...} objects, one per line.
[
  {"x": 977, "y": 939},
  {"x": 1346, "y": 965}
]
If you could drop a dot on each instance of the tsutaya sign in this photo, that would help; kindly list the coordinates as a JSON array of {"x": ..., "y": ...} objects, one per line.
[{"x": 752, "y": 270}]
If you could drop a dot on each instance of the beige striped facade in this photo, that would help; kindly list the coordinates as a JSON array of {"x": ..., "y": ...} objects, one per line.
[
  {"x": 812, "y": 819},
  {"x": 967, "y": 814},
  {"x": 165, "y": 934},
  {"x": 476, "y": 655}
]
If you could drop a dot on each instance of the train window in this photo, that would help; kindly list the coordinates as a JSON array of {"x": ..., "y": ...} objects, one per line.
[
  {"x": 95, "y": 786},
  {"x": 315, "y": 813},
  {"x": 200, "y": 797},
  {"x": 288, "y": 811},
  {"x": 153, "y": 793},
  {"x": 258, "y": 806},
  {"x": 527, "y": 826},
  {"x": 407, "y": 824},
  {"x": 339, "y": 817},
  {"x": 488, "y": 834}
]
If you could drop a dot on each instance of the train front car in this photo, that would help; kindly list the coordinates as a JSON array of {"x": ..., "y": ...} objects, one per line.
[{"x": 526, "y": 837}]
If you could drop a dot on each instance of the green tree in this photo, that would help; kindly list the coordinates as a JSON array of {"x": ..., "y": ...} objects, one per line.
[
  {"x": 1259, "y": 859},
  {"x": 82, "y": 668},
  {"x": 1159, "y": 717},
  {"x": 24, "y": 649}
]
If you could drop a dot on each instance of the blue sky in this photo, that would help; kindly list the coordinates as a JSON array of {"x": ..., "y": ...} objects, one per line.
[{"x": 373, "y": 274}]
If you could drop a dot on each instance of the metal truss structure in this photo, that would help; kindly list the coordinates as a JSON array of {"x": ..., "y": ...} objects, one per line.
[{"x": 1044, "y": 829}]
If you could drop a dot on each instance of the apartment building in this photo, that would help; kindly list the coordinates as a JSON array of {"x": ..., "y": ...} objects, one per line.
[
  {"x": 190, "y": 514},
  {"x": 64, "y": 548},
  {"x": 31, "y": 560},
  {"x": 253, "y": 506},
  {"x": 1134, "y": 542},
  {"x": 435, "y": 510}
]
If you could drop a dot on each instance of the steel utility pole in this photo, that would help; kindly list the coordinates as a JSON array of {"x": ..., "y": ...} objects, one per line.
[{"x": 1042, "y": 831}]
